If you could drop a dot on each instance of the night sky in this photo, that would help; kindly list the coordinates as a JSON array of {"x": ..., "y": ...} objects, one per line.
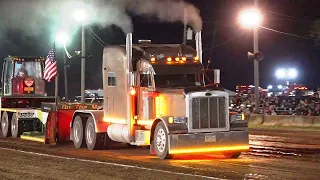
[{"x": 231, "y": 42}]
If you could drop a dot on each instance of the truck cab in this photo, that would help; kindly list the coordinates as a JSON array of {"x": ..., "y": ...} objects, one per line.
[
  {"x": 23, "y": 76},
  {"x": 154, "y": 95}
]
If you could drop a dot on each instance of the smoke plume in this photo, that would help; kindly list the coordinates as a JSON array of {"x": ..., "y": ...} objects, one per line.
[
  {"x": 32, "y": 17},
  {"x": 166, "y": 11}
]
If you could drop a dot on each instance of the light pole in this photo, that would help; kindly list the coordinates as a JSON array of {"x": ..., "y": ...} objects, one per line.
[
  {"x": 252, "y": 18},
  {"x": 80, "y": 16},
  {"x": 63, "y": 39}
]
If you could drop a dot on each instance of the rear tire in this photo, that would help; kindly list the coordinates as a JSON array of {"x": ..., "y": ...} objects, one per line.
[
  {"x": 77, "y": 131},
  {"x": 94, "y": 140},
  {"x": 6, "y": 124},
  {"x": 16, "y": 129},
  {"x": 160, "y": 142},
  {"x": 232, "y": 155}
]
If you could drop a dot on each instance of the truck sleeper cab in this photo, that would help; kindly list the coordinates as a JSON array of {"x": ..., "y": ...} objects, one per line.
[{"x": 153, "y": 95}]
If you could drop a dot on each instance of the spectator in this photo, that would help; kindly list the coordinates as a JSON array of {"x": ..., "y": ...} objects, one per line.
[{"x": 276, "y": 105}]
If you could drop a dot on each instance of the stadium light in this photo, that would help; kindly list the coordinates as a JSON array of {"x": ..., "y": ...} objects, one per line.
[
  {"x": 80, "y": 15},
  {"x": 292, "y": 73},
  {"x": 62, "y": 37},
  {"x": 270, "y": 87},
  {"x": 280, "y": 87},
  {"x": 287, "y": 74},
  {"x": 281, "y": 73},
  {"x": 250, "y": 18}
]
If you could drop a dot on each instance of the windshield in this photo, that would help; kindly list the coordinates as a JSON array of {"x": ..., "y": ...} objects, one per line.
[
  {"x": 176, "y": 80},
  {"x": 28, "y": 69}
]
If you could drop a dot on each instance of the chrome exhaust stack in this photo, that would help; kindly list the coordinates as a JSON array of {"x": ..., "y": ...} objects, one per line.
[
  {"x": 129, "y": 51},
  {"x": 199, "y": 45},
  {"x": 129, "y": 83}
]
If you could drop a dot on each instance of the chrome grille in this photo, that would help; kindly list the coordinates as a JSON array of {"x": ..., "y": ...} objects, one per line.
[{"x": 208, "y": 113}]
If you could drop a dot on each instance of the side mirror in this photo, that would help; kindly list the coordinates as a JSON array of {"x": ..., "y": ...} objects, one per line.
[{"x": 216, "y": 76}]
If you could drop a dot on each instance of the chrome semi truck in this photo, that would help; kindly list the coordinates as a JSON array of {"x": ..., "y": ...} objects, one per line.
[{"x": 154, "y": 95}]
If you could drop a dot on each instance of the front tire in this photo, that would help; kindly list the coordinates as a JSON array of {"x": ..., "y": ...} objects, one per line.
[
  {"x": 94, "y": 140},
  {"x": 16, "y": 129},
  {"x": 77, "y": 130},
  {"x": 6, "y": 124},
  {"x": 160, "y": 142}
]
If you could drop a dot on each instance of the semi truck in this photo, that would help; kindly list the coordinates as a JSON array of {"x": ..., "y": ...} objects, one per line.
[{"x": 153, "y": 95}]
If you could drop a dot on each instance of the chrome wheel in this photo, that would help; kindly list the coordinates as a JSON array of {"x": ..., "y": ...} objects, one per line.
[
  {"x": 161, "y": 140},
  {"x": 14, "y": 126},
  {"x": 4, "y": 124},
  {"x": 93, "y": 139},
  {"x": 76, "y": 131},
  {"x": 90, "y": 133}
]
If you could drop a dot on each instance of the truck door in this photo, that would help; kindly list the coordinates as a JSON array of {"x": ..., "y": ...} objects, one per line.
[{"x": 147, "y": 95}]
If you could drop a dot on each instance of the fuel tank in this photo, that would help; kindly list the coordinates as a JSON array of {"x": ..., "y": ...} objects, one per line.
[{"x": 119, "y": 133}]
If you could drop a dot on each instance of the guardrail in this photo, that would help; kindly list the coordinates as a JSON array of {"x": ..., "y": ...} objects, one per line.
[{"x": 283, "y": 120}]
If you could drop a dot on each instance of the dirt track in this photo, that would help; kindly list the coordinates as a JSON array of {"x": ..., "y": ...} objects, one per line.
[
  {"x": 17, "y": 165},
  {"x": 274, "y": 155}
]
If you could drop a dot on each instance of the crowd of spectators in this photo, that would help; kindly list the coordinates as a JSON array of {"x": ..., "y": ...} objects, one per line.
[{"x": 277, "y": 105}]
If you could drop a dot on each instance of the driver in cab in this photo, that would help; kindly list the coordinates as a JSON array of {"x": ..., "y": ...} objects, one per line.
[
  {"x": 18, "y": 81},
  {"x": 22, "y": 72}
]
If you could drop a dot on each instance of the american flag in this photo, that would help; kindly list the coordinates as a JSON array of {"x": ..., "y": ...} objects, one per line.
[{"x": 50, "y": 70}]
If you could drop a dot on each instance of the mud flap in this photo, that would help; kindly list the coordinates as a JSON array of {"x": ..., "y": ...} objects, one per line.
[
  {"x": 152, "y": 149},
  {"x": 51, "y": 128}
]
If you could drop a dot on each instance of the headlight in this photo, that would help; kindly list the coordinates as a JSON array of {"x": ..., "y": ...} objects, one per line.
[
  {"x": 177, "y": 120},
  {"x": 237, "y": 117}
]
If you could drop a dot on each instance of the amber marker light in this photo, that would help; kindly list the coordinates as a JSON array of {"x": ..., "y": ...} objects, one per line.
[
  {"x": 170, "y": 120},
  {"x": 133, "y": 91},
  {"x": 210, "y": 149}
]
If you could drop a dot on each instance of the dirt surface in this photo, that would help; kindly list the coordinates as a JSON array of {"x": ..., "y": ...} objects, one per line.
[
  {"x": 273, "y": 155},
  {"x": 20, "y": 165}
]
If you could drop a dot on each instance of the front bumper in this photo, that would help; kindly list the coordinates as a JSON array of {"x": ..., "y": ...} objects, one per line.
[{"x": 234, "y": 141}]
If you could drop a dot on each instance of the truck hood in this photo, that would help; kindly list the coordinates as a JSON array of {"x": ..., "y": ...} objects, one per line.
[{"x": 173, "y": 101}]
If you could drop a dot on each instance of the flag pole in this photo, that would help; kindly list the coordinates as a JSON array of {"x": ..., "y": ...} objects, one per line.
[
  {"x": 56, "y": 93},
  {"x": 56, "y": 88}
]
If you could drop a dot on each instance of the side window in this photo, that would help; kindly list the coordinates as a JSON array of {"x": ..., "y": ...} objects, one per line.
[
  {"x": 7, "y": 83},
  {"x": 9, "y": 69},
  {"x": 145, "y": 80},
  {"x": 111, "y": 79}
]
